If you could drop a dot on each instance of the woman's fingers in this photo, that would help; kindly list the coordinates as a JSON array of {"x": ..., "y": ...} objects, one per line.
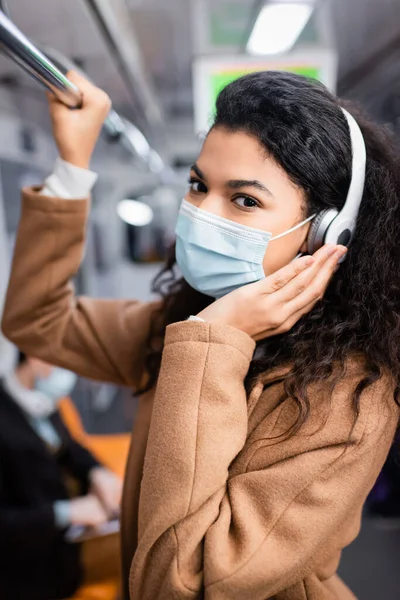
[
  {"x": 76, "y": 131},
  {"x": 287, "y": 325},
  {"x": 92, "y": 96},
  {"x": 300, "y": 294},
  {"x": 317, "y": 287},
  {"x": 301, "y": 282},
  {"x": 280, "y": 279},
  {"x": 292, "y": 279}
]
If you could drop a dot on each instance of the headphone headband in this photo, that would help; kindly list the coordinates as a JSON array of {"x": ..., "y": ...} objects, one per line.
[
  {"x": 332, "y": 226},
  {"x": 358, "y": 167}
]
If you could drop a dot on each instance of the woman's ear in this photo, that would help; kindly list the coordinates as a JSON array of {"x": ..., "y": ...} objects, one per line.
[{"x": 304, "y": 247}]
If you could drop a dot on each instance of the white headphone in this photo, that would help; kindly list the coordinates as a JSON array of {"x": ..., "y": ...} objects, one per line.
[{"x": 331, "y": 226}]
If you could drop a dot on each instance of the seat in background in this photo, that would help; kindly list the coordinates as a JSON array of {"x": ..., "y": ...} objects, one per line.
[{"x": 112, "y": 451}]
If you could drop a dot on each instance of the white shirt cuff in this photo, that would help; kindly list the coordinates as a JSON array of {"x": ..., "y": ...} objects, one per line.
[
  {"x": 69, "y": 182},
  {"x": 61, "y": 510},
  {"x": 194, "y": 318}
]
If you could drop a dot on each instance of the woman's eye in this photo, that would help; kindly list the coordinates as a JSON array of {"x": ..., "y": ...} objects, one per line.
[
  {"x": 245, "y": 202},
  {"x": 197, "y": 186}
]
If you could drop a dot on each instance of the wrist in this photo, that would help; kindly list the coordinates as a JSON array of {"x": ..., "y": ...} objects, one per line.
[
  {"x": 76, "y": 160},
  {"x": 209, "y": 315},
  {"x": 96, "y": 475},
  {"x": 94, "y": 471}
]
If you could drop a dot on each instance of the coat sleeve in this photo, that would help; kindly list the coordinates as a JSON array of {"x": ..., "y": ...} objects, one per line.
[
  {"x": 203, "y": 534},
  {"x": 101, "y": 339}
]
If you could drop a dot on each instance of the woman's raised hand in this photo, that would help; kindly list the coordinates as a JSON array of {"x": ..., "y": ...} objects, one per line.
[
  {"x": 76, "y": 131},
  {"x": 273, "y": 305}
]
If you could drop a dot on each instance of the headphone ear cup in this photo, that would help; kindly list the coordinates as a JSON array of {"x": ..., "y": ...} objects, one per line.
[{"x": 319, "y": 227}]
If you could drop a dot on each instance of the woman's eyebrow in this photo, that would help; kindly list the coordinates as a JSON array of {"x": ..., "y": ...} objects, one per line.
[
  {"x": 198, "y": 171},
  {"x": 237, "y": 184}
]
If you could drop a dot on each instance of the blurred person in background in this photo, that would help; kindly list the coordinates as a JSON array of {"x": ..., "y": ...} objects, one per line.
[
  {"x": 48, "y": 483},
  {"x": 278, "y": 377}
]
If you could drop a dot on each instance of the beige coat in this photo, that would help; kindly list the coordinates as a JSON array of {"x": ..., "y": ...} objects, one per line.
[{"x": 214, "y": 507}]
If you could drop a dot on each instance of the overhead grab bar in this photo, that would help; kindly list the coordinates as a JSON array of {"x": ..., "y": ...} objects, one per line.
[
  {"x": 46, "y": 66},
  {"x": 17, "y": 47},
  {"x": 114, "y": 21},
  {"x": 113, "y": 125},
  {"x": 4, "y": 8}
]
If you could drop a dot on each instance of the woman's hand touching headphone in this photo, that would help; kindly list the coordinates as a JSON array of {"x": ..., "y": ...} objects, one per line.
[
  {"x": 77, "y": 131},
  {"x": 273, "y": 305}
]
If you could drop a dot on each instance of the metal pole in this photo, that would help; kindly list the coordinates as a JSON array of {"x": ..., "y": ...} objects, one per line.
[
  {"x": 17, "y": 47},
  {"x": 113, "y": 125},
  {"x": 116, "y": 128},
  {"x": 114, "y": 21},
  {"x": 46, "y": 66}
]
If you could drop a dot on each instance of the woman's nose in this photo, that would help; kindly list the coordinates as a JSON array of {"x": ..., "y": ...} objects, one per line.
[{"x": 211, "y": 203}]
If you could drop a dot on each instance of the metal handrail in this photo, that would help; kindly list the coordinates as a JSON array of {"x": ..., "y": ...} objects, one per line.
[
  {"x": 46, "y": 65},
  {"x": 114, "y": 22},
  {"x": 113, "y": 125},
  {"x": 4, "y": 7},
  {"x": 17, "y": 47}
]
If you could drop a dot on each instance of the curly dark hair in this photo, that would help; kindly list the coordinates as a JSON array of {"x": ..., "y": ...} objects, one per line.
[{"x": 300, "y": 124}]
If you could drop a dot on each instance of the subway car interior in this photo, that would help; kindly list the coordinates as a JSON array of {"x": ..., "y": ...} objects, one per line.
[{"x": 162, "y": 63}]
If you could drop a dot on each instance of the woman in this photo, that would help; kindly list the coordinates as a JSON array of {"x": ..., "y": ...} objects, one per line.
[{"x": 276, "y": 405}]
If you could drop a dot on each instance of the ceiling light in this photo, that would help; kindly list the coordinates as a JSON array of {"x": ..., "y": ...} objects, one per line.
[
  {"x": 278, "y": 27},
  {"x": 135, "y": 212}
]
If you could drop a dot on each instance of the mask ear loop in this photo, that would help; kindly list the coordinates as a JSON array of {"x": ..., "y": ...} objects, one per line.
[{"x": 295, "y": 228}]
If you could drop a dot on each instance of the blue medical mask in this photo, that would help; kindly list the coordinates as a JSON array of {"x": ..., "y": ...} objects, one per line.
[
  {"x": 216, "y": 255},
  {"x": 57, "y": 385}
]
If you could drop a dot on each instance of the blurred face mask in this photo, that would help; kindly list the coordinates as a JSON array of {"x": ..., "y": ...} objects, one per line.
[
  {"x": 42, "y": 401},
  {"x": 216, "y": 255},
  {"x": 53, "y": 388}
]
